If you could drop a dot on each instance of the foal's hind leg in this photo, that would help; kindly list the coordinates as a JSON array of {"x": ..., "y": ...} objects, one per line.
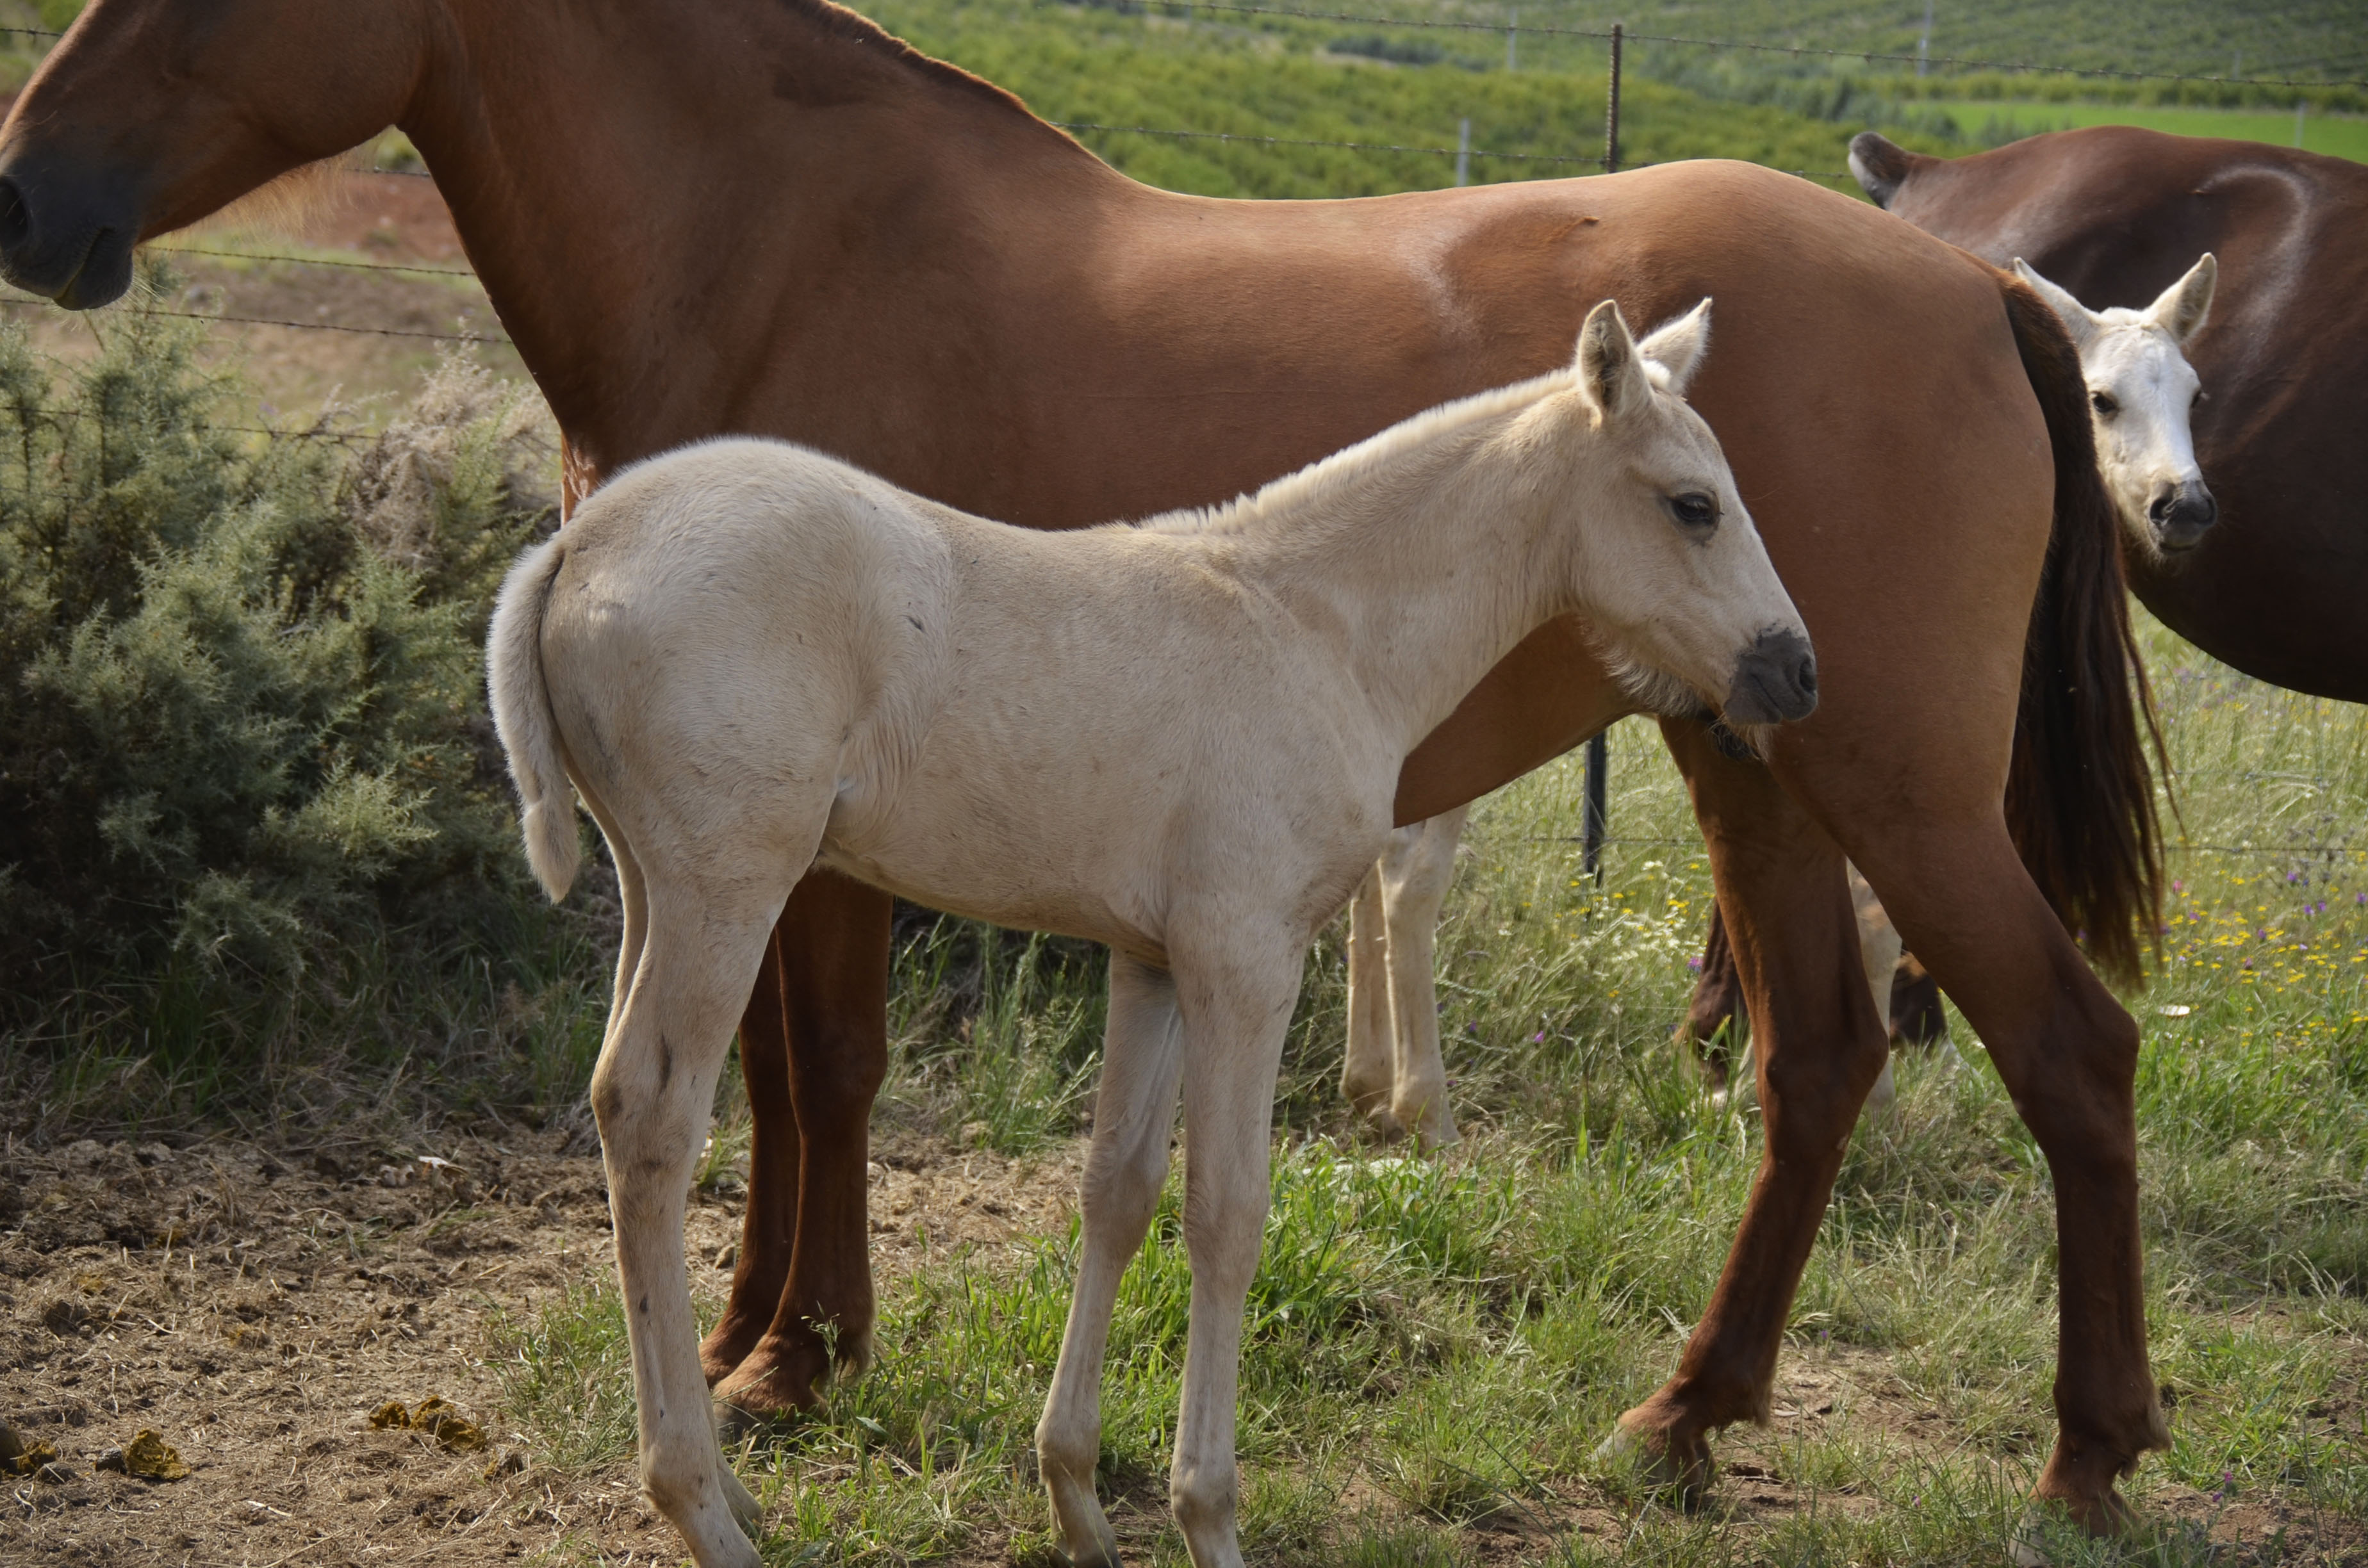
[
  {"x": 651, "y": 1096},
  {"x": 1133, "y": 1114},
  {"x": 1819, "y": 1047}
]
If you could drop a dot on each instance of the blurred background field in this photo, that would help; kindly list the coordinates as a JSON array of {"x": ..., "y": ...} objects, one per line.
[{"x": 258, "y": 880}]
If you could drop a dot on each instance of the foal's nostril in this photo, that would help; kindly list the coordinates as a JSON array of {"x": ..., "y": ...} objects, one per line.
[
  {"x": 1775, "y": 681},
  {"x": 2182, "y": 517},
  {"x": 15, "y": 218}
]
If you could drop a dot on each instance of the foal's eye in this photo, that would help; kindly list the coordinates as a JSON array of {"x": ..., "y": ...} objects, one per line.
[
  {"x": 2104, "y": 404},
  {"x": 1695, "y": 509}
]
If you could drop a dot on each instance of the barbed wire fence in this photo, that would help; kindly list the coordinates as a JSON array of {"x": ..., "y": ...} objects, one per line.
[{"x": 1594, "y": 819}]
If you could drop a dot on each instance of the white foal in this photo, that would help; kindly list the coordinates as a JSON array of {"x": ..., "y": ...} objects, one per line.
[
  {"x": 1181, "y": 739},
  {"x": 2141, "y": 393}
]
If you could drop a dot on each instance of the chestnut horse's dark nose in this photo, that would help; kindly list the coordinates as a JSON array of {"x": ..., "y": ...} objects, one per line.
[
  {"x": 2181, "y": 514},
  {"x": 16, "y": 221},
  {"x": 1775, "y": 681},
  {"x": 66, "y": 232}
]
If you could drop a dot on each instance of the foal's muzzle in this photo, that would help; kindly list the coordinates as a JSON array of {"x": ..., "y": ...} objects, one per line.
[
  {"x": 2182, "y": 515},
  {"x": 1775, "y": 681}
]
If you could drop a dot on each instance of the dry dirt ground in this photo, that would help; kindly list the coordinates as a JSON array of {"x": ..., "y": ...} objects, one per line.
[{"x": 254, "y": 1309}]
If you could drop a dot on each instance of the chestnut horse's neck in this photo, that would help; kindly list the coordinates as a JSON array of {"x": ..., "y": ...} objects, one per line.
[{"x": 666, "y": 204}]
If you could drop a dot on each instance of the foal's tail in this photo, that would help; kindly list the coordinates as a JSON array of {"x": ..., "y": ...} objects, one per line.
[
  {"x": 522, "y": 714},
  {"x": 2079, "y": 797}
]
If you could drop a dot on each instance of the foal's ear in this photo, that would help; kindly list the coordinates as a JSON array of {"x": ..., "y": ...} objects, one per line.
[
  {"x": 2078, "y": 319},
  {"x": 1677, "y": 346},
  {"x": 2184, "y": 304},
  {"x": 1611, "y": 371}
]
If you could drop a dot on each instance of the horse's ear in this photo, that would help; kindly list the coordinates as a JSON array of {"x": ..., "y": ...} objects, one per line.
[
  {"x": 2078, "y": 318},
  {"x": 1678, "y": 346},
  {"x": 2185, "y": 304},
  {"x": 1882, "y": 167},
  {"x": 1611, "y": 371}
]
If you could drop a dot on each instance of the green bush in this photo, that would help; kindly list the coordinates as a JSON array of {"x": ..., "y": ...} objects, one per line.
[
  {"x": 247, "y": 781},
  {"x": 246, "y": 705}
]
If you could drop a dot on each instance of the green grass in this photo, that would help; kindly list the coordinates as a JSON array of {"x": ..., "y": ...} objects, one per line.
[
  {"x": 1435, "y": 1347},
  {"x": 2341, "y": 136}
]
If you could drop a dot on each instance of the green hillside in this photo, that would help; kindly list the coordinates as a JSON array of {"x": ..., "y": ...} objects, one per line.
[{"x": 1306, "y": 84}]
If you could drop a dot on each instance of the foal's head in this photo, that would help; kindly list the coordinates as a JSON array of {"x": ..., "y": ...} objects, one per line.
[
  {"x": 2141, "y": 393},
  {"x": 1671, "y": 572}
]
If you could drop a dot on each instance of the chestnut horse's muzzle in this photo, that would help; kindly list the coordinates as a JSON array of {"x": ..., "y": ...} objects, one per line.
[
  {"x": 65, "y": 234},
  {"x": 1775, "y": 681}
]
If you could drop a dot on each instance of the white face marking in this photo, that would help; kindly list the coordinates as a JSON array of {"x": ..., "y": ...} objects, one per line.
[{"x": 2142, "y": 395}]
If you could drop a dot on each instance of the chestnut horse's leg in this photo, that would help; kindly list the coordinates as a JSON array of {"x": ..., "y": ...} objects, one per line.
[
  {"x": 831, "y": 948},
  {"x": 1714, "y": 1024},
  {"x": 1819, "y": 1047},
  {"x": 2068, "y": 1054},
  {"x": 769, "y": 1232}
]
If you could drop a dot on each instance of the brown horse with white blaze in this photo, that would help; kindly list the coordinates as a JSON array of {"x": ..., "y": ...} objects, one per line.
[{"x": 767, "y": 216}]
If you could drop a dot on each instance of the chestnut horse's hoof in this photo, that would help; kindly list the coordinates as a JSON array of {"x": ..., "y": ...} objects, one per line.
[
  {"x": 2062, "y": 1516},
  {"x": 721, "y": 1352},
  {"x": 1657, "y": 1459}
]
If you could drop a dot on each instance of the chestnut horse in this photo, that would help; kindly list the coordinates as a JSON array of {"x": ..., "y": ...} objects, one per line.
[
  {"x": 2115, "y": 216},
  {"x": 767, "y": 216}
]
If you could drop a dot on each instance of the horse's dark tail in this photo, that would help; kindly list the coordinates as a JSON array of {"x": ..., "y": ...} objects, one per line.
[{"x": 2079, "y": 797}]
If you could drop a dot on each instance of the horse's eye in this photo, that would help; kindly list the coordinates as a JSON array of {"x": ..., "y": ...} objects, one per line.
[
  {"x": 2197, "y": 401},
  {"x": 1695, "y": 509},
  {"x": 2104, "y": 404}
]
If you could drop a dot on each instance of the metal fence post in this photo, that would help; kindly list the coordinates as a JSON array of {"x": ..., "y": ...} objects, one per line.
[
  {"x": 1612, "y": 110},
  {"x": 1595, "y": 813},
  {"x": 1463, "y": 152}
]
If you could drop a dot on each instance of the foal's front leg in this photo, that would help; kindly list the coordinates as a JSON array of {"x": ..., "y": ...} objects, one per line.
[
  {"x": 1141, "y": 1053},
  {"x": 1236, "y": 1013}
]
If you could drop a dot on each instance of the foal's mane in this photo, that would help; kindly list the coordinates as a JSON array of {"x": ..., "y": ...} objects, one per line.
[{"x": 1428, "y": 428}]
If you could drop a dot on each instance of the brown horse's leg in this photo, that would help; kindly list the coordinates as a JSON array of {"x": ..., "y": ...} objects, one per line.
[
  {"x": 770, "y": 1230},
  {"x": 2068, "y": 1054},
  {"x": 1916, "y": 1015},
  {"x": 1819, "y": 1048},
  {"x": 1714, "y": 1021},
  {"x": 833, "y": 945}
]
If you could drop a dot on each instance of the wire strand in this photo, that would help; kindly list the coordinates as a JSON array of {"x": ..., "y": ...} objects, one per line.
[
  {"x": 300, "y": 325},
  {"x": 321, "y": 261}
]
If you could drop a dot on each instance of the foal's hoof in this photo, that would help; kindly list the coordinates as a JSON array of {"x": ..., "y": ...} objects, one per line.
[{"x": 746, "y": 1511}]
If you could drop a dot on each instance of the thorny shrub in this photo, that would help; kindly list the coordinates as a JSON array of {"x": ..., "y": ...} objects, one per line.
[{"x": 245, "y": 721}]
